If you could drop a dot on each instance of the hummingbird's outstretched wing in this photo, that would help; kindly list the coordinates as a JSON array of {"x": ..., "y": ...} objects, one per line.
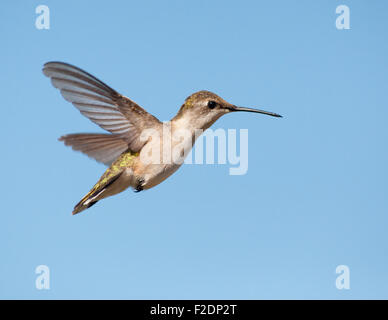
[
  {"x": 103, "y": 147},
  {"x": 101, "y": 104}
]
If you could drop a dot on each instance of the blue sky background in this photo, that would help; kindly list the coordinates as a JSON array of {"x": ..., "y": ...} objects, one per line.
[{"x": 315, "y": 195}]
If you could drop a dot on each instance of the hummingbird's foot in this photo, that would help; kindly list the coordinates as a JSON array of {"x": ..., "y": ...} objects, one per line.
[{"x": 139, "y": 186}]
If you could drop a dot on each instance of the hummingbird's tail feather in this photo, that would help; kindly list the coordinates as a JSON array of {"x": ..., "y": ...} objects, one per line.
[
  {"x": 81, "y": 207},
  {"x": 104, "y": 148},
  {"x": 96, "y": 193},
  {"x": 87, "y": 201}
]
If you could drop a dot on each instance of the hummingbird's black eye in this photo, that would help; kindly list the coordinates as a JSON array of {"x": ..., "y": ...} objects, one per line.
[{"x": 211, "y": 104}]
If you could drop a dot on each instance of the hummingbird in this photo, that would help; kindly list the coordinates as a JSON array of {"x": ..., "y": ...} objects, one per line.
[{"x": 124, "y": 147}]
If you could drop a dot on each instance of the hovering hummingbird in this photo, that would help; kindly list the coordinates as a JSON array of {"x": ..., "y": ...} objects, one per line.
[{"x": 123, "y": 147}]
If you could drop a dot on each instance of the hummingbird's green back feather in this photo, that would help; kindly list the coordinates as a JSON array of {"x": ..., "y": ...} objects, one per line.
[{"x": 109, "y": 177}]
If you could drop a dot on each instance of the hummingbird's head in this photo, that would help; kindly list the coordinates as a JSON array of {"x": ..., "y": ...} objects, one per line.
[{"x": 203, "y": 108}]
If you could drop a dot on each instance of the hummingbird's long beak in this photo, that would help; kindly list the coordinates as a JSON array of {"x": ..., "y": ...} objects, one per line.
[{"x": 235, "y": 108}]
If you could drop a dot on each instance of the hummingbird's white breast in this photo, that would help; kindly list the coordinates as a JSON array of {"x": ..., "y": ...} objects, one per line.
[{"x": 171, "y": 145}]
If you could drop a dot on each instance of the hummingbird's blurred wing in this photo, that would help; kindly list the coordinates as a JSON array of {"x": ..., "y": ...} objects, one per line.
[
  {"x": 101, "y": 104},
  {"x": 103, "y": 147}
]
